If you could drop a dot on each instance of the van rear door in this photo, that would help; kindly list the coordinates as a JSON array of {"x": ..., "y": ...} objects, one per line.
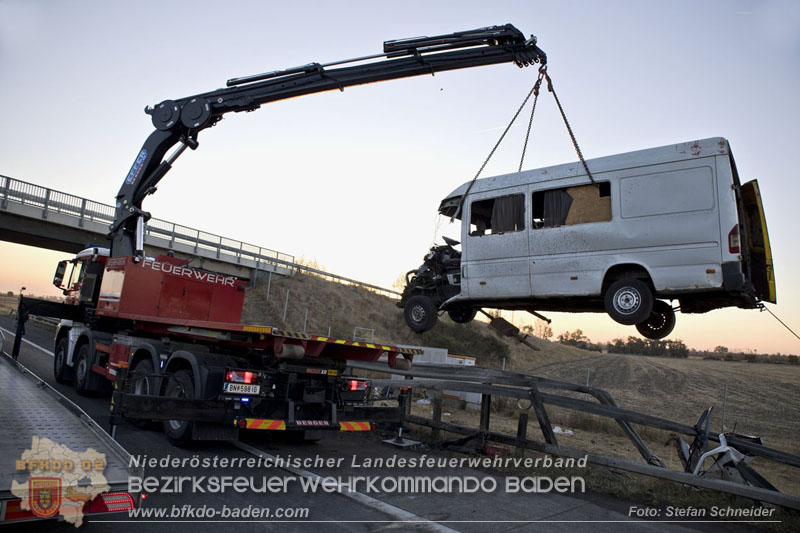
[{"x": 758, "y": 249}]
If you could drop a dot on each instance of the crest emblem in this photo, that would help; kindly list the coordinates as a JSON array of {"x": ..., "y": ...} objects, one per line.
[{"x": 45, "y": 495}]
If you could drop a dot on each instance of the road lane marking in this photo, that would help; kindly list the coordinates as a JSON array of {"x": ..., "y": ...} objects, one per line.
[
  {"x": 363, "y": 499},
  {"x": 26, "y": 341}
]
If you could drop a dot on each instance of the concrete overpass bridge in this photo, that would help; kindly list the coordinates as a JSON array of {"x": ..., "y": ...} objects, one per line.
[{"x": 39, "y": 216}]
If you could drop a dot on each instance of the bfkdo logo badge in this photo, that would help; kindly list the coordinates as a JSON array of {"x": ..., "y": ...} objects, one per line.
[{"x": 45, "y": 496}]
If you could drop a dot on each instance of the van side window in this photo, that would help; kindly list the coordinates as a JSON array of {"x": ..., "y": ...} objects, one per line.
[
  {"x": 569, "y": 206},
  {"x": 497, "y": 215}
]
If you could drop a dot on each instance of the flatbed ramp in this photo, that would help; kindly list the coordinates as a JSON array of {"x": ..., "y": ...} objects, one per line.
[{"x": 45, "y": 436}]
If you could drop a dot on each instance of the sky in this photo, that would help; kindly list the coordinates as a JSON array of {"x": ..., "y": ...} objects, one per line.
[{"x": 353, "y": 179}]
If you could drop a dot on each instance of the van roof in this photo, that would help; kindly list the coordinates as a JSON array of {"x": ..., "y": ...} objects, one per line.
[{"x": 649, "y": 156}]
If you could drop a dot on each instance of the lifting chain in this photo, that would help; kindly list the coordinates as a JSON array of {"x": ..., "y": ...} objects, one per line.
[
  {"x": 534, "y": 91},
  {"x": 500, "y": 140},
  {"x": 536, "y": 87},
  {"x": 566, "y": 123}
]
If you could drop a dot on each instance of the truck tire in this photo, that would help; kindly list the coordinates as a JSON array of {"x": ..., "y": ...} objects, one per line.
[
  {"x": 629, "y": 301},
  {"x": 660, "y": 323},
  {"x": 61, "y": 372},
  {"x": 142, "y": 386},
  {"x": 420, "y": 313},
  {"x": 83, "y": 368},
  {"x": 462, "y": 315},
  {"x": 180, "y": 385}
]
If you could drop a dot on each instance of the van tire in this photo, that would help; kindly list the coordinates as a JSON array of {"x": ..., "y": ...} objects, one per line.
[
  {"x": 660, "y": 323},
  {"x": 462, "y": 315},
  {"x": 180, "y": 385},
  {"x": 61, "y": 372},
  {"x": 420, "y": 313},
  {"x": 629, "y": 301}
]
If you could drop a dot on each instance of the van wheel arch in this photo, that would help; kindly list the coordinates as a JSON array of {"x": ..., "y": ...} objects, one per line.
[{"x": 627, "y": 270}]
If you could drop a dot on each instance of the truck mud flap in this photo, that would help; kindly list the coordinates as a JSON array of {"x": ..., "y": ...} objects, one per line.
[
  {"x": 163, "y": 408},
  {"x": 212, "y": 431}
]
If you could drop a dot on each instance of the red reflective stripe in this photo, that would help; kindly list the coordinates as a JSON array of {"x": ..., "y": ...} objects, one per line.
[
  {"x": 355, "y": 426},
  {"x": 265, "y": 423}
]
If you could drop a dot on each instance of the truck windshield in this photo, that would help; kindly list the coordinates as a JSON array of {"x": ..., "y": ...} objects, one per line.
[{"x": 76, "y": 274}]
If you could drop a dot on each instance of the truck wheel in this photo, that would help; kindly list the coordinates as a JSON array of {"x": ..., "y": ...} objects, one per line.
[
  {"x": 82, "y": 370},
  {"x": 660, "y": 323},
  {"x": 462, "y": 315},
  {"x": 62, "y": 372},
  {"x": 180, "y": 385},
  {"x": 142, "y": 386},
  {"x": 629, "y": 301},
  {"x": 420, "y": 313}
]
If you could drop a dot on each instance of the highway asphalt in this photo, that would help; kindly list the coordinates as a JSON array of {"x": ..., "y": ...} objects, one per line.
[{"x": 385, "y": 510}]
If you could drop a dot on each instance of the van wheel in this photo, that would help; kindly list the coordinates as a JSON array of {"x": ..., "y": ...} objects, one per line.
[
  {"x": 660, "y": 323},
  {"x": 462, "y": 315},
  {"x": 61, "y": 372},
  {"x": 82, "y": 370},
  {"x": 629, "y": 301},
  {"x": 142, "y": 386},
  {"x": 420, "y": 313},
  {"x": 180, "y": 385}
]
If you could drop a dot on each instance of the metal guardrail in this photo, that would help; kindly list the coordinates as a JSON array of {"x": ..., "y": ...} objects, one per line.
[
  {"x": 82, "y": 210},
  {"x": 52, "y": 201},
  {"x": 525, "y": 387}
]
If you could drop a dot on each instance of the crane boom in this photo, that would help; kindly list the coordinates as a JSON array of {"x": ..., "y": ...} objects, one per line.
[{"x": 178, "y": 122}]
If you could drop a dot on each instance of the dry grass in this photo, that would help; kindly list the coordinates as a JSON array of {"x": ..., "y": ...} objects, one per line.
[
  {"x": 762, "y": 399},
  {"x": 340, "y": 308}
]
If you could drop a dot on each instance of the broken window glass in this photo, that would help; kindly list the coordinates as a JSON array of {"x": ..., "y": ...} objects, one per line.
[{"x": 497, "y": 215}]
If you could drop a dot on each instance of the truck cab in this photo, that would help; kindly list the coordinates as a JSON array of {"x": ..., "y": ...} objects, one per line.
[
  {"x": 650, "y": 228},
  {"x": 79, "y": 278}
]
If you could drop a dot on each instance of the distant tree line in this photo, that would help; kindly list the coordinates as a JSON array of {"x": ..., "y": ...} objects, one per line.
[
  {"x": 723, "y": 353},
  {"x": 637, "y": 346},
  {"x": 579, "y": 340},
  {"x": 669, "y": 348}
]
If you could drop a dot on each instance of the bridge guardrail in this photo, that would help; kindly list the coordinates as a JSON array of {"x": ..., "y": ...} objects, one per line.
[{"x": 82, "y": 209}]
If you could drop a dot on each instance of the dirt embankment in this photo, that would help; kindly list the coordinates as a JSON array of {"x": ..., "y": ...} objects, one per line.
[{"x": 328, "y": 308}]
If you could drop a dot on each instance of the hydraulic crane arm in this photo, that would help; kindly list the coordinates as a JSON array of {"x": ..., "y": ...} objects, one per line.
[{"x": 180, "y": 121}]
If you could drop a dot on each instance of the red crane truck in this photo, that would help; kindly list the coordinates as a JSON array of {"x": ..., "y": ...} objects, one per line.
[{"x": 169, "y": 337}]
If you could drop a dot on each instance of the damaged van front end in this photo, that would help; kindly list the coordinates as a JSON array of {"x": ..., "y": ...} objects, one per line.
[{"x": 651, "y": 232}]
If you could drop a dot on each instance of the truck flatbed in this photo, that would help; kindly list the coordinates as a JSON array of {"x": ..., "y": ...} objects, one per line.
[{"x": 29, "y": 409}]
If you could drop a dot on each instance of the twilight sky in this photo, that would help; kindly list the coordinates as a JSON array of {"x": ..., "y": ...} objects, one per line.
[{"x": 353, "y": 179}]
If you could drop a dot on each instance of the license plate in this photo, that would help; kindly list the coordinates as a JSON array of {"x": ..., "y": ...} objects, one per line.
[{"x": 241, "y": 388}]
